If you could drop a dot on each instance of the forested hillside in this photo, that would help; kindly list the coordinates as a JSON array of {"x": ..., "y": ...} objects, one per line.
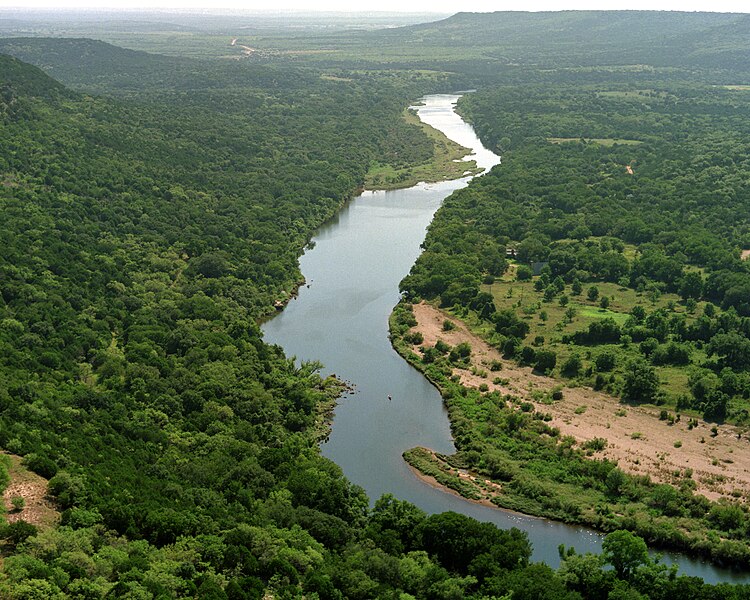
[
  {"x": 587, "y": 38},
  {"x": 141, "y": 243}
]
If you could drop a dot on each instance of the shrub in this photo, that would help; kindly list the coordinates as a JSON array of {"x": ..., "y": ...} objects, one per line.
[
  {"x": 572, "y": 366},
  {"x": 605, "y": 361},
  {"x": 596, "y": 444},
  {"x": 524, "y": 273},
  {"x": 545, "y": 360},
  {"x": 414, "y": 338}
]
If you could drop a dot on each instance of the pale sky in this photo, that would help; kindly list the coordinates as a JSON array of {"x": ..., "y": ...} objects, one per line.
[{"x": 443, "y": 6}]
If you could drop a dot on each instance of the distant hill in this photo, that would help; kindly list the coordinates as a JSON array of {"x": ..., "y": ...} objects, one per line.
[
  {"x": 682, "y": 39},
  {"x": 96, "y": 66}
]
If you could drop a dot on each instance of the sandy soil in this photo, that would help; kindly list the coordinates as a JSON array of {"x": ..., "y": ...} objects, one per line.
[
  {"x": 38, "y": 510},
  {"x": 745, "y": 255},
  {"x": 637, "y": 439}
]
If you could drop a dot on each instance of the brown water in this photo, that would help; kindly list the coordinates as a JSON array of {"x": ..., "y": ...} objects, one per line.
[{"x": 341, "y": 319}]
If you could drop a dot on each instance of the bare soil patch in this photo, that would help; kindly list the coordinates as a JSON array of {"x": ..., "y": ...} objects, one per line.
[
  {"x": 745, "y": 255},
  {"x": 38, "y": 509},
  {"x": 637, "y": 440}
]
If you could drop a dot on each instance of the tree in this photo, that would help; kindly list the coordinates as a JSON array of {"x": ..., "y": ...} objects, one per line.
[
  {"x": 691, "y": 286},
  {"x": 625, "y": 552},
  {"x": 524, "y": 273},
  {"x": 641, "y": 382},
  {"x": 605, "y": 361},
  {"x": 733, "y": 348},
  {"x": 508, "y": 324},
  {"x": 545, "y": 360},
  {"x": 457, "y": 540},
  {"x": 572, "y": 366},
  {"x": 16, "y": 532},
  {"x": 593, "y": 293},
  {"x": 638, "y": 313},
  {"x": 393, "y": 522}
]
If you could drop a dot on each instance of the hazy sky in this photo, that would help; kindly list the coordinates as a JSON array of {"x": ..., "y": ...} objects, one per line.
[{"x": 391, "y": 5}]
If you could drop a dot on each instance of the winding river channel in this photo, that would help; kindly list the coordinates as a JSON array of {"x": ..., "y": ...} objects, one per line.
[{"x": 341, "y": 319}]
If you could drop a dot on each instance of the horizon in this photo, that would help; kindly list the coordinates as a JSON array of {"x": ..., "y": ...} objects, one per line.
[{"x": 386, "y": 7}]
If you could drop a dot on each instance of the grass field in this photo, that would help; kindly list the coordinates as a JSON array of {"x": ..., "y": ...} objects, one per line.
[{"x": 549, "y": 321}]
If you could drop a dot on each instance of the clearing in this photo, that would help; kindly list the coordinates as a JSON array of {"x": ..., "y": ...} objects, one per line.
[{"x": 37, "y": 510}]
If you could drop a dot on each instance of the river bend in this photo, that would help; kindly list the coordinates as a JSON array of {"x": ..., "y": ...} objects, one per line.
[{"x": 341, "y": 319}]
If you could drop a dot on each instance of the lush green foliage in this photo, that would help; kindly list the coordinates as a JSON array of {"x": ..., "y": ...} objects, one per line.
[
  {"x": 661, "y": 242},
  {"x": 142, "y": 241},
  {"x": 144, "y": 237}
]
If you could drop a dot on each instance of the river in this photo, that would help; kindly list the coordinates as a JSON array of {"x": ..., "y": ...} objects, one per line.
[{"x": 341, "y": 319}]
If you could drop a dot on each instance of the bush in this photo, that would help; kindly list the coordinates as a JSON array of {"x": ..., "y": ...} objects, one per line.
[
  {"x": 528, "y": 354},
  {"x": 17, "y": 532},
  {"x": 524, "y": 273},
  {"x": 572, "y": 366},
  {"x": 460, "y": 352},
  {"x": 596, "y": 444},
  {"x": 545, "y": 360},
  {"x": 414, "y": 338},
  {"x": 41, "y": 465},
  {"x": 641, "y": 382},
  {"x": 605, "y": 361},
  {"x": 442, "y": 347}
]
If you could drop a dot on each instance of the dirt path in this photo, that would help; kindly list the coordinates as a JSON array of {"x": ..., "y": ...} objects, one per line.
[
  {"x": 637, "y": 439},
  {"x": 32, "y": 488}
]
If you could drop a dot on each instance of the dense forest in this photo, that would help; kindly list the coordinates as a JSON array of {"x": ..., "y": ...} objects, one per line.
[{"x": 153, "y": 209}]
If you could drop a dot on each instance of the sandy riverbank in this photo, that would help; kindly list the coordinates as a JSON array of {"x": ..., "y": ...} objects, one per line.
[{"x": 637, "y": 440}]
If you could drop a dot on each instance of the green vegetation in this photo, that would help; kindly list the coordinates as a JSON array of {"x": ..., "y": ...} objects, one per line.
[
  {"x": 153, "y": 208},
  {"x": 624, "y": 274},
  {"x": 142, "y": 241}
]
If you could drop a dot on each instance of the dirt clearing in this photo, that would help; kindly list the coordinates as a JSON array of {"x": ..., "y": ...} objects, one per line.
[{"x": 37, "y": 510}]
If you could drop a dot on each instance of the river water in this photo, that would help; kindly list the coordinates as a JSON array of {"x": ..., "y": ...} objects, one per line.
[{"x": 341, "y": 319}]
